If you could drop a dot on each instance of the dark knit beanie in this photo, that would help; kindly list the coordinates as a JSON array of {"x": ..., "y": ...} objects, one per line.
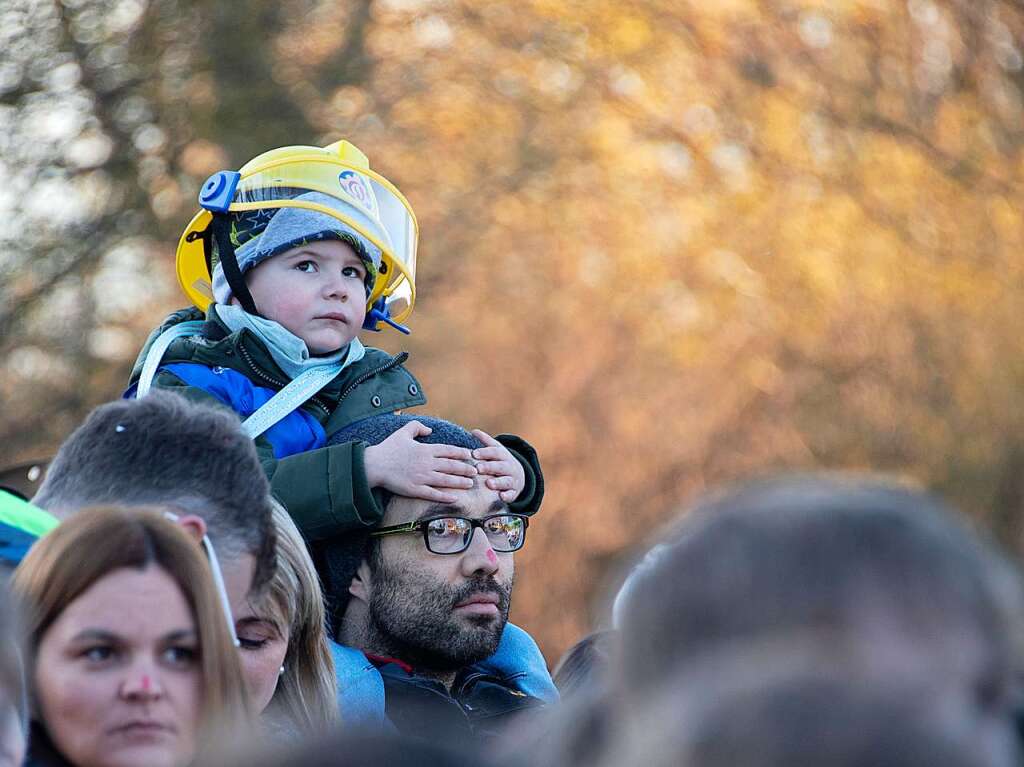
[{"x": 340, "y": 557}]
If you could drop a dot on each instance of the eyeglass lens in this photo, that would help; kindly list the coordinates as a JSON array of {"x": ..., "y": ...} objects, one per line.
[{"x": 449, "y": 535}]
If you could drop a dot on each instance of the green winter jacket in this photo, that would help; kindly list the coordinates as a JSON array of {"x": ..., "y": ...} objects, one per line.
[{"x": 324, "y": 489}]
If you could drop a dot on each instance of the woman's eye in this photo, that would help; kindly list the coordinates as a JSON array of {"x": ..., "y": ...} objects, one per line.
[
  {"x": 98, "y": 654},
  {"x": 181, "y": 656},
  {"x": 252, "y": 644},
  {"x": 306, "y": 266}
]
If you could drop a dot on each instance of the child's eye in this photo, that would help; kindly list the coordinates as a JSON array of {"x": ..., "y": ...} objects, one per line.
[
  {"x": 306, "y": 266},
  {"x": 353, "y": 271}
]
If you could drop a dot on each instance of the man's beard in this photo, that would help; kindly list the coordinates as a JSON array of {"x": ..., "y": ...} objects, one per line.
[{"x": 415, "y": 621}]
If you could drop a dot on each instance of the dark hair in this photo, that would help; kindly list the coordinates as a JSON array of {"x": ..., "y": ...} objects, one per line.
[
  {"x": 170, "y": 451},
  {"x": 584, "y": 666},
  {"x": 833, "y": 554}
]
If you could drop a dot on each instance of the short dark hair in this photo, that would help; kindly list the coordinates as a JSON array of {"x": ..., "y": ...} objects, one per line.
[
  {"x": 584, "y": 666},
  {"x": 826, "y": 553},
  {"x": 168, "y": 450}
]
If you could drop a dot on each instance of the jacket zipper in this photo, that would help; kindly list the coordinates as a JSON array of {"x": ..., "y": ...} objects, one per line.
[
  {"x": 394, "y": 362},
  {"x": 315, "y": 399}
]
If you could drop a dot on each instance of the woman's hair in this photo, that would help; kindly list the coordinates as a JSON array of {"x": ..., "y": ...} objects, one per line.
[
  {"x": 306, "y": 695},
  {"x": 96, "y": 542}
]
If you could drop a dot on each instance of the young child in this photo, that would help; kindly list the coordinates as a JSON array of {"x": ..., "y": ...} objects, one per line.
[
  {"x": 306, "y": 243},
  {"x": 288, "y": 260}
]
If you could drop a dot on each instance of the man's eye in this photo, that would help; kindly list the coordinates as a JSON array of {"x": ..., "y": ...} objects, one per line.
[
  {"x": 445, "y": 527},
  {"x": 306, "y": 266}
]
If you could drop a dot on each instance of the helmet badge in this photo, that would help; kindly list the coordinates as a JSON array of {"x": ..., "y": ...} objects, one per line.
[{"x": 355, "y": 187}]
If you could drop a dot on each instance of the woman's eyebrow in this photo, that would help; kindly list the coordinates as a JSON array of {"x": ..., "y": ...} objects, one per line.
[
  {"x": 88, "y": 635},
  {"x": 256, "y": 621},
  {"x": 180, "y": 634}
]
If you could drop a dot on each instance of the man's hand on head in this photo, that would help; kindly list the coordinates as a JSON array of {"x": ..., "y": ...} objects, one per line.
[
  {"x": 505, "y": 473},
  {"x": 413, "y": 469}
]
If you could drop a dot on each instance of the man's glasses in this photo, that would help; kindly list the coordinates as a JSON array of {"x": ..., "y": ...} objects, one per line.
[{"x": 452, "y": 535}]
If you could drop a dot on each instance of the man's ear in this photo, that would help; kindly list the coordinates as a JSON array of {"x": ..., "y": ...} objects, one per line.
[
  {"x": 194, "y": 525},
  {"x": 362, "y": 583}
]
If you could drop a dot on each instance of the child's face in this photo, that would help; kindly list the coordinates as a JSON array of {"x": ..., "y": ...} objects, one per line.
[{"x": 317, "y": 291}]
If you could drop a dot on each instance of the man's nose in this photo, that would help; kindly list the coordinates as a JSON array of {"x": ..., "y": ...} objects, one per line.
[
  {"x": 479, "y": 557},
  {"x": 141, "y": 684}
]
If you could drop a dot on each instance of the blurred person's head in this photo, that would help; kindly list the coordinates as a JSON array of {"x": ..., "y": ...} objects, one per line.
[
  {"x": 433, "y": 582},
  {"x": 752, "y": 713},
  {"x": 189, "y": 457},
  {"x": 13, "y": 700},
  {"x": 585, "y": 666},
  {"x": 286, "y": 658},
  {"x": 353, "y": 749},
  {"x": 887, "y": 577},
  {"x": 131, "y": 661}
]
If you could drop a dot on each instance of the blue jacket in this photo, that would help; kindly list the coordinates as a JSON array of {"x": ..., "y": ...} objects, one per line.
[{"x": 517, "y": 663}]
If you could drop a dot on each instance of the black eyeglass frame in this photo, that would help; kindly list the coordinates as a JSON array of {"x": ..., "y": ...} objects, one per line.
[{"x": 420, "y": 525}]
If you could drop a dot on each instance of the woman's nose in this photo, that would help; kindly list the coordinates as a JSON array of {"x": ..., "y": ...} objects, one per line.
[{"x": 141, "y": 685}]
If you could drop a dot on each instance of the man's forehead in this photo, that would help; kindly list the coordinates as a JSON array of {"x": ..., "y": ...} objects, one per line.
[{"x": 475, "y": 503}]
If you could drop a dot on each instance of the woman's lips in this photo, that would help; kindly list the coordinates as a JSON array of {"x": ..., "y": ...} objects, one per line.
[{"x": 143, "y": 729}]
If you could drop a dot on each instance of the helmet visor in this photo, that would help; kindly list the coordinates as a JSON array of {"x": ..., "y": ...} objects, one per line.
[{"x": 365, "y": 202}]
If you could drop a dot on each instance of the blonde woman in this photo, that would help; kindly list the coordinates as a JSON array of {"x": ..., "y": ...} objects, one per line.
[
  {"x": 131, "y": 660},
  {"x": 283, "y": 643}
]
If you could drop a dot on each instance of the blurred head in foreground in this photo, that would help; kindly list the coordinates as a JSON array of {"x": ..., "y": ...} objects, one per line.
[
  {"x": 130, "y": 658},
  {"x": 777, "y": 708},
  {"x": 887, "y": 581}
]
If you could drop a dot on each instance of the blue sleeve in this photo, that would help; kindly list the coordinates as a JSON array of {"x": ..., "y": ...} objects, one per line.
[
  {"x": 360, "y": 689},
  {"x": 297, "y": 432},
  {"x": 520, "y": 663}
]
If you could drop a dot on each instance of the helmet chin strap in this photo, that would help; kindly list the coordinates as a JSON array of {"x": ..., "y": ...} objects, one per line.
[{"x": 221, "y": 226}]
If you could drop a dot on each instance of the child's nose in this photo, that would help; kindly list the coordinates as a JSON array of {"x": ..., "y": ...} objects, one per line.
[{"x": 337, "y": 287}]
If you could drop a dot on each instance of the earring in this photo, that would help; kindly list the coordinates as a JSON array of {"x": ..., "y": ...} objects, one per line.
[{"x": 281, "y": 672}]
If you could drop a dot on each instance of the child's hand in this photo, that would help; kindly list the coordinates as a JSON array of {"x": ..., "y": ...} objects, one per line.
[
  {"x": 416, "y": 470},
  {"x": 506, "y": 473}
]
